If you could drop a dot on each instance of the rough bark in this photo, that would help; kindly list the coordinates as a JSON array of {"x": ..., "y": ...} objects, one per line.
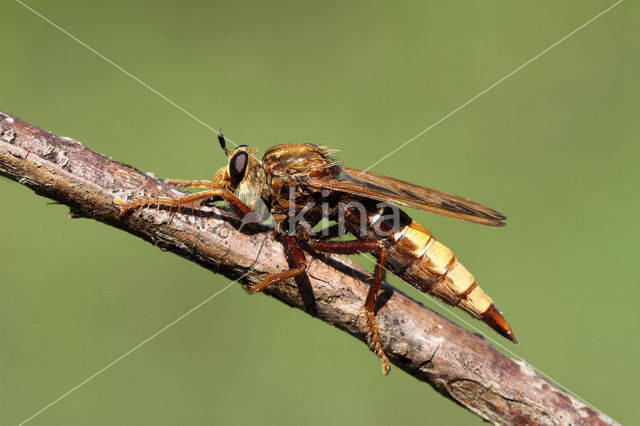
[{"x": 460, "y": 365}]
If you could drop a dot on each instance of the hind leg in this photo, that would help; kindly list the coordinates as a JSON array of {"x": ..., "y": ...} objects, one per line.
[{"x": 364, "y": 246}]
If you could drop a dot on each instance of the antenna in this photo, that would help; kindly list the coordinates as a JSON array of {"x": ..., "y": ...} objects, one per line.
[{"x": 223, "y": 144}]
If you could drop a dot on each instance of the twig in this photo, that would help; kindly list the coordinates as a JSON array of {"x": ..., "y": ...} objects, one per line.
[{"x": 458, "y": 364}]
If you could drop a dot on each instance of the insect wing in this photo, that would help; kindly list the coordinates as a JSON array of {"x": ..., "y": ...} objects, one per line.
[{"x": 405, "y": 194}]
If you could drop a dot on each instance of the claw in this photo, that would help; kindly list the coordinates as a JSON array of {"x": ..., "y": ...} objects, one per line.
[
  {"x": 385, "y": 366},
  {"x": 373, "y": 338},
  {"x": 122, "y": 205}
]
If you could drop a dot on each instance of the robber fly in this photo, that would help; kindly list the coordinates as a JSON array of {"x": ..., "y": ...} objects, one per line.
[{"x": 303, "y": 181}]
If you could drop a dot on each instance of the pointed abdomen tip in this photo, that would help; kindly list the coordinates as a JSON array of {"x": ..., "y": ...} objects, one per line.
[
  {"x": 509, "y": 335},
  {"x": 494, "y": 319}
]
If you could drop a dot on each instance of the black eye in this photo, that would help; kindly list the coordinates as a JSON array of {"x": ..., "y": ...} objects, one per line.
[{"x": 238, "y": 167}]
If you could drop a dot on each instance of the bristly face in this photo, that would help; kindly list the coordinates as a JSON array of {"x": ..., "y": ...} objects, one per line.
[
  {"x": 244, "y": 175},
  {"x": 258, "y": 184}
]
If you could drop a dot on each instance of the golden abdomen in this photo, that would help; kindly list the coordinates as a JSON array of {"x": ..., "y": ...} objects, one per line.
[{"x": 419, "y": 258}]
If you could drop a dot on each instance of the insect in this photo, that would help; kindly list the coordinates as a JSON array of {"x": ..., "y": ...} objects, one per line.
[{"x": 299, "y": 185}]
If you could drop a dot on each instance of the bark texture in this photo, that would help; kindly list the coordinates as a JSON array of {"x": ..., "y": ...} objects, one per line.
[{"x": 458, "y": 364}]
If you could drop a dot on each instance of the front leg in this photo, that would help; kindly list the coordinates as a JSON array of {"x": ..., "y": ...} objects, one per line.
[
  {"x": 238, "y": 207},
  {"x": 191, "y": 183}
]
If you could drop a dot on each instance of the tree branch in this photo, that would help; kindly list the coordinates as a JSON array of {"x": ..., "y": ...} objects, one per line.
[{"x": 458, "y": 364}]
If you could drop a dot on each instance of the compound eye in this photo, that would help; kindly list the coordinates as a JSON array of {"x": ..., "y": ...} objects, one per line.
[{"x": 238, "y": 167}]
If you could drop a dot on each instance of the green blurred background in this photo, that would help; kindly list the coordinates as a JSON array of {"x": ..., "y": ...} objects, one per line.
[{"x": 554, "y": 147}]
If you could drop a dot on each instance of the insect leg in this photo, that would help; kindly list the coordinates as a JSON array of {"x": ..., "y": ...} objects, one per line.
[
  {"x": 363, "y": 246},
  {"x": 294, "y": 252},
  {"x": 238, "y": 207},
  {"x": 331, "y": 231},
  {"x": 191, "y": 183}
]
